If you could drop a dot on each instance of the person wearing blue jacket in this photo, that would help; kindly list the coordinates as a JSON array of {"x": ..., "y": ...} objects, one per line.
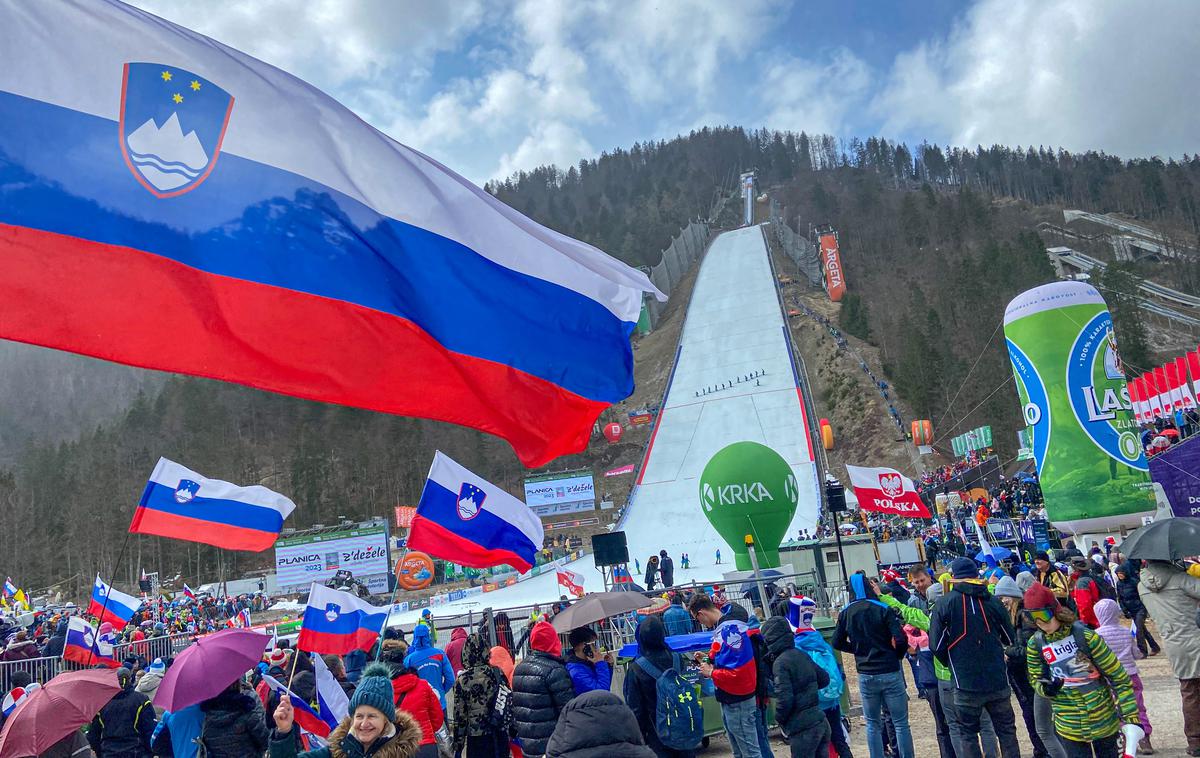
[
  {"x": 431, "y": 663},
  {"x": 676, "y": 619},
  {"x": 589, "y": 671},
  {"x": 801, "y": 611},
  {"x": 176, "y": 733}
]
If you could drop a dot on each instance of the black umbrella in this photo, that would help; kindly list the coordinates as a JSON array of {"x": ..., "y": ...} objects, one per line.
[
  {"x": 751, "y": 588},
  {"x": 1169, "y": 539},
  {"x": 596, "y": 606}
]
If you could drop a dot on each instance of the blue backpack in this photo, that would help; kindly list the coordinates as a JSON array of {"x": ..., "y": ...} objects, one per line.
[{"x": 679, "y": 718}]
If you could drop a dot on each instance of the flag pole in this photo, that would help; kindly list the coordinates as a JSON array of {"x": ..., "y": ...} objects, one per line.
[
  {"x": 391, "y": 603},
  {"x": 107, "y": 595}
]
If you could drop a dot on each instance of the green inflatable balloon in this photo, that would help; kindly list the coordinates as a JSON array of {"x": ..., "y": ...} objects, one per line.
[{"x": 748, "y": 488}]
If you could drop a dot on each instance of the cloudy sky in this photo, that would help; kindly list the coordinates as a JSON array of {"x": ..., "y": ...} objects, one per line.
[{"x": 492, "y": 87}]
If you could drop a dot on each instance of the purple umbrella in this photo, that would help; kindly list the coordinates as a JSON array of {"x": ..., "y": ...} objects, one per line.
[{"x": 209, "y": 666}]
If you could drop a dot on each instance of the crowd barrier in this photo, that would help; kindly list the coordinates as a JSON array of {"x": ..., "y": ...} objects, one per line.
[{"x": 43, "y": 669}]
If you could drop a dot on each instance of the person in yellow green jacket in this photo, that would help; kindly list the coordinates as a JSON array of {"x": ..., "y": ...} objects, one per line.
[
  {"x": 941, "y": 700},
  {"x": 1090, "y": 693}
]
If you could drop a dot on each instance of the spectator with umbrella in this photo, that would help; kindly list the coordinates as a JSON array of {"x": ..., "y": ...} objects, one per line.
[{"x": 1172, "y": 598}]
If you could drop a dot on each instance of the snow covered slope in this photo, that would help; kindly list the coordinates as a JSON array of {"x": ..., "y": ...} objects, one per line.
[{"x": 734, "y": 329}]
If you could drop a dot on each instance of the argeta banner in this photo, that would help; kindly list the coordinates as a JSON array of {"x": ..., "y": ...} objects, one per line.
[{"x": 886, "y": 490}]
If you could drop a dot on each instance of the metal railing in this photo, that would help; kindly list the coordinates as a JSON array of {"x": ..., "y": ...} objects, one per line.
[{"x": 45, "y": 668}]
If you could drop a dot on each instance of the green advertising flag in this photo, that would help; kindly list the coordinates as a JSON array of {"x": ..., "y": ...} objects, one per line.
[
  {"x": 1071, "y": 385},
  {"x": 986, "y": 432},
  {"x": 748, "y": 488},
  {"x": 1024, "y": 444}
]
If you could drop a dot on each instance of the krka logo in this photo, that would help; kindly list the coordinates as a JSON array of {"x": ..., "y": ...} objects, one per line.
[
  {"x": 172, "y": 126},
  {"x": 736, "y": 494},
  {"x": 1099, "y": 397}
]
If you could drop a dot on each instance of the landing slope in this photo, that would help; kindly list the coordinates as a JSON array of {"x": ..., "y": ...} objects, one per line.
[{"x": 734, "y": 329}]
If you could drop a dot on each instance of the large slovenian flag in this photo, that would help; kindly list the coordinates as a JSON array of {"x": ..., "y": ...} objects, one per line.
[
  {"x": 169, "y": 202},
  {"x": 118, "y": 610},
  {"x": 466, "y": 519},
  {"x": 338, "y": 622},
  {"x": 184, "y": 505},
  {"x": 85, "y": 647}
]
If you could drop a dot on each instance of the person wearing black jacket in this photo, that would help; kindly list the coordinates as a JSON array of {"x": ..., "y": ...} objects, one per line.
[
  {"x": 797, "y": 680},
  {"x": 541, "y": 689},
  {"x": 641, "y": 689},
  {"x": 124, "y": 726},
  {"x": 597, "y": 724},
  {"x": 1131, "y": 605},
  {"x": 666, "y": 569},
  {"x": 873, "y": 633},
  {"x": 58, "y": 640},
  {"x": 969, "y": 630},
  {"x": 233, "y": 724}
]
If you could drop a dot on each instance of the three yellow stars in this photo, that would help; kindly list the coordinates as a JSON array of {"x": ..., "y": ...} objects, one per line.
[{"x": 178, "y": 98}]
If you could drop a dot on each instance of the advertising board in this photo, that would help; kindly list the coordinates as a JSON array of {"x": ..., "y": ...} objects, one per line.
[
  {"x": 831, "y": 262},
  {"x": 564, "y": 492},
  {"x": 304, "y": 559}
]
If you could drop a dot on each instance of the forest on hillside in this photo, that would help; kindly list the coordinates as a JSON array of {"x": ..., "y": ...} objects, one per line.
[{"x": 935, "y": 242}]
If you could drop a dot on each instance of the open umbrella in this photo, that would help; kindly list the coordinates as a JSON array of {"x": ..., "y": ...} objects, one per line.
[
  {"x": 1166, "y": 540},
  {"x": 208, "y": 666},
  {"x": 53, "y": 711},
  {"x": 999, "y": 553},
  {"x": 598, "y": 605}
]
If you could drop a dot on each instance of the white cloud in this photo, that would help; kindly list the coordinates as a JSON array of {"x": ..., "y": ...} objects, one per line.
[
  {"x": 551, "y": 142},
  {"x": 1119, "y": 77},
  {"x": 818, "y": 97}
]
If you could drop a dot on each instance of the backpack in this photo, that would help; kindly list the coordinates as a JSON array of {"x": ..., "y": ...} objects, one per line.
[
  {"x": 678, "y": 716},
  {"x": 1104, "y": 587},
  {"x": 500, "y": 709}
]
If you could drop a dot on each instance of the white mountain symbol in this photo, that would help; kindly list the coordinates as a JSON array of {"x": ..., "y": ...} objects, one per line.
[
  {"x": 164, "y": 155},
  {"x": 467, "y": 507}
]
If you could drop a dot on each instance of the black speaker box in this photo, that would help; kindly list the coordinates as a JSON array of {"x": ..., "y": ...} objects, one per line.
[{"x": 610, "y": 549}]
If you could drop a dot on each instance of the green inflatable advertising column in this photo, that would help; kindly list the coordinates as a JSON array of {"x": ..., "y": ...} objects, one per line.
[
  {"x": 1071, "y": 383},
  {"x": 748, "y": 488}
]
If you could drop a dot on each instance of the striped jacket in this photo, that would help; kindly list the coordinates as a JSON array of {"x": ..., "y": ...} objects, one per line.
[{"x": 1085, "y": 713}]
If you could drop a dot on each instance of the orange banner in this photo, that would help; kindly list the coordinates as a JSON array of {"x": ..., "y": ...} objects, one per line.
[{"x": 831, "y": 262}]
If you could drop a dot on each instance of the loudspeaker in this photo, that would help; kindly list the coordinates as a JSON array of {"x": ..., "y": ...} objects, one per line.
[
  {"x": 610, "y": 549},
  {"x": 835, "y": 497}
]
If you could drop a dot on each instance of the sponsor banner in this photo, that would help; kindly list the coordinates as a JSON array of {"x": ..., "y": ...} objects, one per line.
[
  {"x": 1071, "y": 384},
  {"x": 886, "y": 490},
  {"x": 544, "y": 494},
  {"x": 619, "y": 471},
  {"x": 472, "y": 591},
  {"x": 559, "y": 509},
  {"x": 510, "y": 581},
  {"x": 640, "y": 419},
  {"x": 1176, "y": 470},
  {"x": 831, "y": 262},
  {"x": 607, "y": 505},
  {"x": 404, "y": 516},
  {"x": 491, "y": 587},
  {"x": 1024, "y": 444},
  {"x": 572, "y": 524},
  {"x": 299, "y": 561}
]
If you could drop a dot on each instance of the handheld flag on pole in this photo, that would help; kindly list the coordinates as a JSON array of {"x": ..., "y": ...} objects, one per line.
[
  {"x": 85, "y": 647},
  {"x": 886, "y": 490},
  {"x": 112, "y": 605},
  {"x": 183, "y": 505},
  {"x": 338, "y": 622},
  {"x": 466, "y": 519},
  {"x": 10, "y": 589},
  {"x": 20, "y": 600},
  {"x": 571, "y": 581},
  {"x": 307, "y": 717},
  {"x": 156, "y": 171},
  {"x": 188, "y": 592}
]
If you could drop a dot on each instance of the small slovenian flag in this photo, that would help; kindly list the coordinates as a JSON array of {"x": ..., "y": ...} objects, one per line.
[
  {"x": 338, "y": 622},
  {"x": 10, "y": 589},
  {"x": 306, "y": 716},
  {"x": 468, "y": 520},
  {"x": 188, "y": 592},
  {"x": 184, "y": 505},
  {"x": 84, "y": 647},
  {"x": 118, "y": 610}
]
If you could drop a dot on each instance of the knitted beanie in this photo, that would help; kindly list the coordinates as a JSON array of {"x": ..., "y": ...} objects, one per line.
[
  {"x": 375, "y": 689},
  {"x": 1007, "y": 587},
  {"x": 964, "y": 568},
  {"x": 1038, "y": 597}
]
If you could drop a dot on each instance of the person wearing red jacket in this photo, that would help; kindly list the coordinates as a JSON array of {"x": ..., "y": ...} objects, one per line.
[
  {"x": 1084, "y": 591},
  {"x": 458, "y": 638},
  {"x": 416, "y": 697}
]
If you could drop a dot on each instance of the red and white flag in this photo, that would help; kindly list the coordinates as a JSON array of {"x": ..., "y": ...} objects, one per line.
[
  {"x": 886, "y": 490},
  {"x": 571, "y": 581}
]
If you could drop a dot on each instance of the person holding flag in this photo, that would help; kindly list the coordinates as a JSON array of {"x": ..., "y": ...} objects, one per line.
[{"x": 372, "y": 727}]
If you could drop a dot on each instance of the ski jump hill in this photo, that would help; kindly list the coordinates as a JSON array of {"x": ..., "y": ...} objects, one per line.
[{"x": 734, "y": 328}]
